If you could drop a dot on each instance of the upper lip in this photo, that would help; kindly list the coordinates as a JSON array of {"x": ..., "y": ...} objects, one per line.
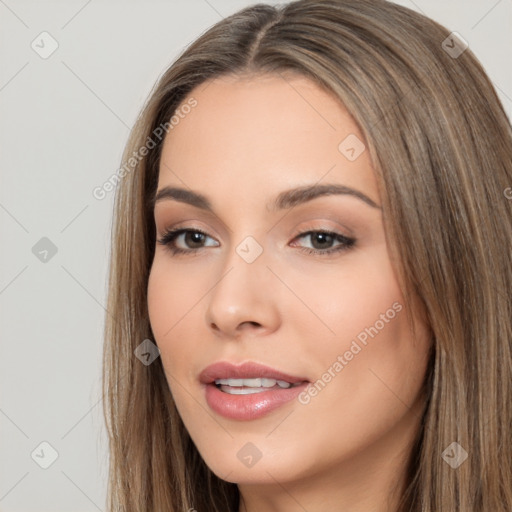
[{"x": 247, "y": 370}]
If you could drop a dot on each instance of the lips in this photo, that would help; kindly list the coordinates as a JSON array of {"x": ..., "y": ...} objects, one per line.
[
  {"x": 248, "y": 370},
  {"x": 248, "y": 391}
]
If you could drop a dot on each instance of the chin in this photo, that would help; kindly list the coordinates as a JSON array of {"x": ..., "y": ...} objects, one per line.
[{"x": 247, "y": 464}]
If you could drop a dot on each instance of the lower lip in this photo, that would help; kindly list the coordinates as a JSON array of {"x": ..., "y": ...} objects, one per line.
[{"x": 252, "y": 406}]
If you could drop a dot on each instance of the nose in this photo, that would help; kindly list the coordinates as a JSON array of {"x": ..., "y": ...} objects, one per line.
[{"x": 244, "y": 300}]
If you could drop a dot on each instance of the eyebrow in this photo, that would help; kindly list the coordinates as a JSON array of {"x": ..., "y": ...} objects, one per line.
[{"x": 284, "y": 200}]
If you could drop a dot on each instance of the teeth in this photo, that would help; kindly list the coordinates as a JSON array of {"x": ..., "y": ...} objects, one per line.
[
  {"x": 251, "y": 385},
  {"x": 241, "y": 391}
]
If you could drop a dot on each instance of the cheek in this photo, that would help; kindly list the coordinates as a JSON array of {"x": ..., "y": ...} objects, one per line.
[
  {"x": 356, "y": 299},
  {"x": 171, "y": 296},
  {"x": 175, "y": 296},
  {"x": 165, "y": 308},
  {"x": 370, "y": 356}
]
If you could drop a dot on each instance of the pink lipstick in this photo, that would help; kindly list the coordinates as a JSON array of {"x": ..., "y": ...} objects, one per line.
[{"x": 248, "y": 391}]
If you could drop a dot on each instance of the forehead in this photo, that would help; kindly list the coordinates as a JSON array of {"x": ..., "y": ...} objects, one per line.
[{"x": 261, "y": 133}]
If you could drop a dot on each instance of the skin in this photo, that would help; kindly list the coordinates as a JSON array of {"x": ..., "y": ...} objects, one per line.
[{"x": 247, "y": 139}]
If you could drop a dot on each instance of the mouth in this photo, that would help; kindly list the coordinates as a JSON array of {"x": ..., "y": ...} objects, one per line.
[{"x": 248, "y": 391}]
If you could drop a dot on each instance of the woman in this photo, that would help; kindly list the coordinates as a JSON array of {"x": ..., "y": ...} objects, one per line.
[{"x": 370, "y": 373}]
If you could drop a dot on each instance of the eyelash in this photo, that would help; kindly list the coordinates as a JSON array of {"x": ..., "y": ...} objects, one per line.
[{"x": 346, "y": 243}]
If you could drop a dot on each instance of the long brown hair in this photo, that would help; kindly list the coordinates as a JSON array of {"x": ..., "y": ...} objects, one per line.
[{"x": 441, "y": 147}]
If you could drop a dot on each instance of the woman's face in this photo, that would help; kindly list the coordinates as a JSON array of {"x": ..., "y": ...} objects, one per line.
[{"x": 264, "y": 284}]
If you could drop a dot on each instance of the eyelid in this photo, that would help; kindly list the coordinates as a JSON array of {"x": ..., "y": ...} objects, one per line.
[
  {"x": 323, "y": 224},
  {"x": 189, "y": 227}
]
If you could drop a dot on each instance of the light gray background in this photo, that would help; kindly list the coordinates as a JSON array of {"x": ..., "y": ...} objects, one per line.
[{"x": 63, "y": 123}]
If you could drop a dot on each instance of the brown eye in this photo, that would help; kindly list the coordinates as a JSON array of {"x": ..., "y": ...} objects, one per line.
[
  {"x": 193, "y": 238},
  {"x": 322, "y": 242}
]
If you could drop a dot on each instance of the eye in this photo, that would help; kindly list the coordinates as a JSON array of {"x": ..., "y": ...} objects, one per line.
[
  {"x": 194, "y": 238},
  {"x": 322, "y": 242}
]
